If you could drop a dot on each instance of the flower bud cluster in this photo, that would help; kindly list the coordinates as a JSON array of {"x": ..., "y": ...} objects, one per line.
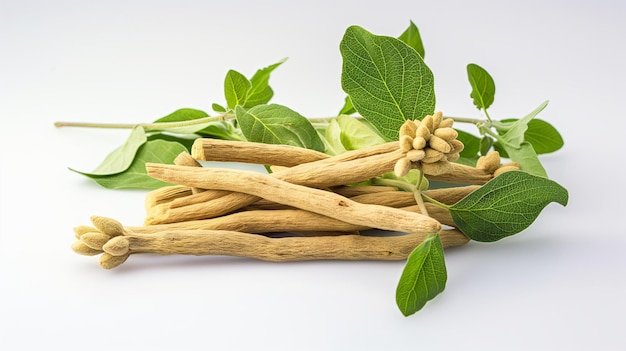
[
  {"x": 491, "y": 164},
  {"x": 430, "y": 145}
]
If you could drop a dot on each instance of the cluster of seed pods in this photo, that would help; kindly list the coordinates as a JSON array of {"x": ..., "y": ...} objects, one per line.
[{"x": 430, "y": 145}]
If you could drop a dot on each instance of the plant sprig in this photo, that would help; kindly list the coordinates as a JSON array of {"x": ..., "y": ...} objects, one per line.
[{"x": 387, "y": 82}]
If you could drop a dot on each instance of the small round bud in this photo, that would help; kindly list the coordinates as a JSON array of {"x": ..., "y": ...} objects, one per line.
[
  {"x": 83, "y": 229},
  {"x": 117, "y": 246},
  {"x": 109, "y": 261},
  {"x": 437, "y": 118},
  {"x": 80, "y": 248},
  {"x": 406, "y": 143},
  {"x": 432, "y": 155},
  {"x": 402, "y": 167},
  {"x": 419, "y": 143},
  {"x": 489, "y": 162},
  {"x": 446, "y": 123},
  {"x": 415, "y": 155},
  {"x": 504, "y": 169},
  {"x": 447, "y": 134},
  {"x": 457, "y": 146},
  {"x": 95, "y": 240},
  {"x": 408, "y": 128},
  {"x": 428, "y": 123},
  {"x": 439, "y": 144},
  {"x": 423, "y": 131},
  {"x": 108, "y": 225}
]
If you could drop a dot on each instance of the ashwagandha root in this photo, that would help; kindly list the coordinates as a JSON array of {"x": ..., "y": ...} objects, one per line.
[
  {"x": 206, "y": 149},
  {"x": 117, "y": 248},
  {"x": 161, "y": 196},
  {"x": 311, "y": 174},
  {"x": 314, "y": 200},
  {"x": 281, "y": 220},
  {"x": 463, "y": 174},
  {"x": 185, "y": 159}
]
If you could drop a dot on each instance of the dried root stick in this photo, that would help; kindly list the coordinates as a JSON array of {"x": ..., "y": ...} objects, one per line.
[
  {"x": 117, "y": 248},
  {"x": 314, "y": 200},
  {"x": 311, "y": 174},
  {"x": 344, "y": 247},
  {"x": 283, "y": 220},
  {"x": 463, "y": 174},
  {"x": 185, "y": 159},
  {"x": 206, "y": 149},
  {"x": 165, "y": 194},
  {"x": 258, "y": 221}
]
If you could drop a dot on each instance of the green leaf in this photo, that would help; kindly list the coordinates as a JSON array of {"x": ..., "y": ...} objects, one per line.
[
  {"x": 182, "y": 115},
  {"x": 470, "y": 142},
  {"x": 276, "y": 124},
  {"x": 527, "y": 158},
  {"x": 347, "y": 108},
  {"x": 387, "y": 80},
  {"x": 505, "y": 205},
  {"x": 485, "y": 144},
  {"x": 236, "y": 88},
  {"x": 218, "y": 108},
  {"x": 332, "y": 136},
  {"x": 412, "y": 38},
  {"x": 357, "y": 135},
  {"x": 540, "y": 134},
  {"x": 514, "y": 136},
  {"x": 260, "y": 91},
  {"x": 135, "y": 177},
  {"x": 483, "y": 87},
  {"x": 121, "y": 158},
  {"x": 185, "y": 140},
  {"x": 424, "y": 276},
  {"x": 221, "y": 130}
]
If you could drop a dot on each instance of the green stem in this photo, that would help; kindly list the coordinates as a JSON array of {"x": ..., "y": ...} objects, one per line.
[
  {"x": 402, "y": 185},
  {"x": 487, "y": 115},
  {"x": 417, "y": 194},
  {"x": 147, "y": 126},
  {"x": 433, "y": 201}
]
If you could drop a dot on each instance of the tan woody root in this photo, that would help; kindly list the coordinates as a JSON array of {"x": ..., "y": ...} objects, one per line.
[
  {"x": 310, "y": 199},
  {"x": 115, "y": 244},
  {"x": 213, "y": 211},
  {"x": 350, "y": 167},
  {"x": 266, "y": 154},
  {"x": 310, "y": 174}
]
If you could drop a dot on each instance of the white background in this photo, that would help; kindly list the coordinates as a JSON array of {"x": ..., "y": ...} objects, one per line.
[{"x": 559, "y": 285}]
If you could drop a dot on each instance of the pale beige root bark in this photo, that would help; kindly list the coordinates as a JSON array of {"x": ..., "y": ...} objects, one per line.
[
  {"x": 332, "y": 172},
  {"x": 448, "y": 196},
  {"x": 165, "y": 194},
  {"x": 311, "y": 174},
  {"x": 283, "y": 220},
  {"x": 314, "y": 200},
  {"x": 347, "y": 156},
  {"x": 228, "y": 204},
  {"x": 258, "y": 221},
  {"x": 205, "y": 149},
  {"x": 344, "y": 247},
  {"x": 318, "y": 175},
  {"x": 463, "y": 174},
  {"x": 185, "y": 159},
  {"x": 116, "y": 244},
  {"x": 229, "y": 243},
  {"x": 350, "y": 191},
  {"x": 362, "y": 153}
]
